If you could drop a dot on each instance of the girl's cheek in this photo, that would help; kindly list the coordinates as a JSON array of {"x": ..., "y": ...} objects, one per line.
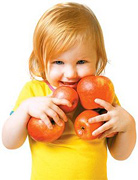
[
  {"x": 54, "y": 76},
  {"x": 55, "y": 73},
  {"x": 88, "y": 71}
]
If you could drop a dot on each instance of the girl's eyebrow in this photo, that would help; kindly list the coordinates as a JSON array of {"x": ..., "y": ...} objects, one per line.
[{"x": 83, "y": 57}]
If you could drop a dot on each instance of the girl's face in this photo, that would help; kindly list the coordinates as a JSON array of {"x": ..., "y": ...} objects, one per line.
[{"x": 72, "y": 65}]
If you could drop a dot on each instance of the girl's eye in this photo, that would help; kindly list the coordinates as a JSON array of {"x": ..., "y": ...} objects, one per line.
[
  {"x": 58, "y": 62},
  {"x": 81, "y": 62}
]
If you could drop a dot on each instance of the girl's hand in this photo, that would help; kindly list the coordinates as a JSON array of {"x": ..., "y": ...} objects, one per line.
[
  {"x": 116, "y": 119},
  {"x": 46, "y": 108}
]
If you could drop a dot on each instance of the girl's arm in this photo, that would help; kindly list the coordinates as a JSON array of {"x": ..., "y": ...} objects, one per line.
[
  {"x": 121, "y": 145},
  {"x": 118, "y": 120},
  {"x": 14, "y": 130}
]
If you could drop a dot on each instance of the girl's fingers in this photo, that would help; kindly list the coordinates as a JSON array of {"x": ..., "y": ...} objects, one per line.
[
  {"x": 104, "y": 104},
  {"x": 55, "y": 113},
  {"x": 99, "y": 118},
  {"x": 102, "y": 129},
  {"x": 58, "y": 101},
  {"x": 46, "y": 120},
  {"x": 61, "y": 113},
  {"x": 52, "y": 114},
  {"x": 107, "y": 133}
]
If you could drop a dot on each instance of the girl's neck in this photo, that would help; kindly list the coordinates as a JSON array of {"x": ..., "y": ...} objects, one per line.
[{"x": 49, "y": 85}]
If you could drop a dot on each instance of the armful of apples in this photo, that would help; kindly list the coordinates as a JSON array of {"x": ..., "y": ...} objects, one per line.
[
  {"x": 88, "y": 89},
  {"x": 38, "y": 130}
]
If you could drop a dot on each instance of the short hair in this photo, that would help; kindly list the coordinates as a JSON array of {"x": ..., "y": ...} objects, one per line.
[{"x": 59, "y": 29}]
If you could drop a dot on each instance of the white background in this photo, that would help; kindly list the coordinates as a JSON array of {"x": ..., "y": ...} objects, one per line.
[{"x": 120, "y": 27}]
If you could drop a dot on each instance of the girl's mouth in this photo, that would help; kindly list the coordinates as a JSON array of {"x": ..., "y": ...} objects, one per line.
[{"x": 69, "y": 84}]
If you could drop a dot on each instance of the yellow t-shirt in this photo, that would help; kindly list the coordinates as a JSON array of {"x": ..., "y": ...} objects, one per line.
[{"x": 69, "y": 157}]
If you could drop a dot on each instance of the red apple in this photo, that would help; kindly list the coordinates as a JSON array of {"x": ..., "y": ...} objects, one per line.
[
  {"x": 64, "y": 92},
  {"x": 83, "y": 128},
  {"x": 38, "y": 130},
  {"x": 91, "y": 87}
]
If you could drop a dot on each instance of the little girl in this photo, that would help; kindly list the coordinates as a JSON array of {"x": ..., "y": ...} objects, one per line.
[{"x": 68, "y": 45}]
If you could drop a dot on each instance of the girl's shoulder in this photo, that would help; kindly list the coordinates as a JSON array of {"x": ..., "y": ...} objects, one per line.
[
  {"x": 37, "y": 87},
  {"x": 32, "y": 88},
  {"x": 34, "y": 82}
]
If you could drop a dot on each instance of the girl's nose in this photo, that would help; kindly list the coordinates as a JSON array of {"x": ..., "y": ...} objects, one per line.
[{"x": 70, "y": 72}]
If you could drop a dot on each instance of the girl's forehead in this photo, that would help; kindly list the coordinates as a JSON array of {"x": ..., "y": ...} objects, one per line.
[
  {"x": 78, "y": 51},
  {"x": 82, "y": 48}
]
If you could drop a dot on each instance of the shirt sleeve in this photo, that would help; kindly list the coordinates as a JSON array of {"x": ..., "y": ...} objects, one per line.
[
  {"x": 116, "y": 101},
  {"x": 25, "y": 93}
]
